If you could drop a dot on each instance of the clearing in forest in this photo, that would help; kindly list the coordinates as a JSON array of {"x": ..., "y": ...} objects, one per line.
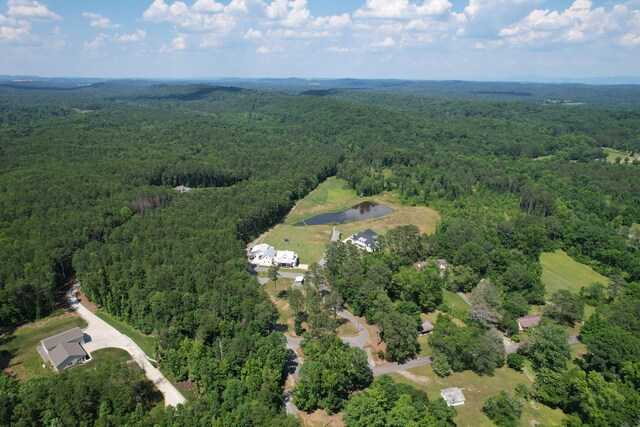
[
  {"x": 18, "y": 349},
  {"x": 333, "y": 195},
  {"x": 613, "y": 155},
  {"x": 476, "y": 390},
  {"x": 560, "y": 271}
]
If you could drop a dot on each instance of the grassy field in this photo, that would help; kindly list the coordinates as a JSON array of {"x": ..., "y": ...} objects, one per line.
[
  {"x": 560, "y": 271},
  {"x": 19, "y": 348},
  {"x": 613, "y": 154},
  {"x": 459, "y": 307},
  {"x": 634, "y": 227},
  {"x": 334, "y": 196},
  {"x": 476, "y": 390},
  {"x": 145, "y": 342}
]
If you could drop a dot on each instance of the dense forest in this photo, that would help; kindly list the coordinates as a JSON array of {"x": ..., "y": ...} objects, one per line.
[{"x": 86, "y": 192}]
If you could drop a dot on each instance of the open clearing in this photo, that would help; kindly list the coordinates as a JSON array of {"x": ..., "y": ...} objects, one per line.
[
  {"x": 333, "y": 195},
  {"x": 613, "y": 154},
  {"x": 19, "y": 349},
  {"x": 560, "y": 271},
  {"x": 476, "y": 390}
]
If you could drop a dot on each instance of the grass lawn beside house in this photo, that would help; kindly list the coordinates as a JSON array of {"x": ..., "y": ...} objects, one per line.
[
  {"x": 18, "y": 349},
  {"x": 333, "y": 195},
  {"x": 476, "y": 390}
]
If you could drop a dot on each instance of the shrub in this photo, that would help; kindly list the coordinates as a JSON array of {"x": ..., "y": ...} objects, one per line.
[{"x": 515, "y": 361}]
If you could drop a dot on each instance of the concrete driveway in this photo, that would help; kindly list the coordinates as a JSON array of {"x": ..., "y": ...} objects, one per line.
[{"x": 102, "y": 335}]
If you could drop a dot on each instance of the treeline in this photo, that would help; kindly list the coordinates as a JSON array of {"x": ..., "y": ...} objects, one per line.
[{"x": 105, "y": 392}]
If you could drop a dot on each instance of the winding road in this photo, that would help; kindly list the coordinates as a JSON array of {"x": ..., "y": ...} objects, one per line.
[{"x": 102, "y": 335}]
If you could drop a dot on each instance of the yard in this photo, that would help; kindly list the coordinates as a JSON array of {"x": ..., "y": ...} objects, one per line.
[
  {"x": 457, "y": 306},
  {"x": 560, "y": 271},
  {"x": 18, "y": 350},
  {"x": 309, "y": 242},
  {"x": 612, "y": 155},
  {"x": 476, "y": 390}
]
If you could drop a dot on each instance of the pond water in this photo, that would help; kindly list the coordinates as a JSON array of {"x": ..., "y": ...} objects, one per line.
[{"x": 364, "y": 210}]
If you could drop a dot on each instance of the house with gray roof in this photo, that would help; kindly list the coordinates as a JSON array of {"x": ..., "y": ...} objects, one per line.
[{"x": 64, "y": 350}]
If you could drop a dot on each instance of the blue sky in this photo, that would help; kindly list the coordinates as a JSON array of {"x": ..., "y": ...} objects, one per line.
[{"x": 417, "y": 39}]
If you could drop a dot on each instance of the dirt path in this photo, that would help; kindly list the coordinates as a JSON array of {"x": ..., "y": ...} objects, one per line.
[{"x": 102, "y": 335}]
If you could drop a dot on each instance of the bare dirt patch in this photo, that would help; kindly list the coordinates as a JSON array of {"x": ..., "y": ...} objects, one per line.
[
  {"x": 422, "y": 380},
  {"x": 321, "y": 418},
  {"x": 85, "y": 302}
]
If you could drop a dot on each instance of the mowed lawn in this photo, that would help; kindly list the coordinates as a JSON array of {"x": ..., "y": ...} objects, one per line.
[
  {"x": 333, "y": 195},
  {"x": 19, "y": 352},
  {"x": 560, "y": 271},
  {"x": 476, "y": 390}
]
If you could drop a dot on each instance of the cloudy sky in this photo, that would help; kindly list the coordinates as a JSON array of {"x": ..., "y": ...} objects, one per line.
[{"x": 418, "y": 39}]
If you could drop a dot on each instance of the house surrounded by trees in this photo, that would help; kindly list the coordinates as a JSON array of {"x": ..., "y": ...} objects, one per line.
[
  {"x": 366, "y": 240},
  {"x": 64, "y": 350}
]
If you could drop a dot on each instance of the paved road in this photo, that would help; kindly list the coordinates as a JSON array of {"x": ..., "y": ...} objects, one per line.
[
  {"x": 397, "y": 367},
  {"x": 103, "y": 335}
]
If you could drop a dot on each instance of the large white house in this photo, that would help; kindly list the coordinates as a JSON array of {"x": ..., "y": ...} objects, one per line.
[{"x": 265, "y": 255}]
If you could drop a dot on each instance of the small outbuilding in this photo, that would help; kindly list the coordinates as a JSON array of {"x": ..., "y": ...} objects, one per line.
[
  {"x": 182, "y": 189},
  {"x": 426, "y": 327},
  {"x": 298, "y": 281},
  {"x": 529, "y": 321},
  {"x": 453, "y": 396}
]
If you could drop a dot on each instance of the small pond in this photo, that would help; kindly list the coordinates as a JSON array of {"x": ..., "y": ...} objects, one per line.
[{"x": 364, "y": 210}]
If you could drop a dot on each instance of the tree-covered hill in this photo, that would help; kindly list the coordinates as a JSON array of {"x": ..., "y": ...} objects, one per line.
[{"x": 86, "y": 179}]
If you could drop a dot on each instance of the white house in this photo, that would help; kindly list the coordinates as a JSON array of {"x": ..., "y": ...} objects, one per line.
[
  {"x": 262, "y": 254},
  {"x": 366, "y": 240},
  {"x": 453, "y": 396},
  {"x": 266, "y": 255},
  {"x": 286, "y": 259}
]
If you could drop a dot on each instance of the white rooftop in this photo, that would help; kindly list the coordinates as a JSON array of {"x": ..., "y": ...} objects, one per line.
[
  {"x": 453, "y": 396},
  {"x": 285, "y": 257}
]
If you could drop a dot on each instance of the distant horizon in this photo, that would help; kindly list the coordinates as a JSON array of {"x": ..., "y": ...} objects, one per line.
[{"x": 591, "y": 81}]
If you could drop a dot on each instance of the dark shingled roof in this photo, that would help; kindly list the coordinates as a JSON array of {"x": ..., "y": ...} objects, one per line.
[{"x": 367, "y": 237}]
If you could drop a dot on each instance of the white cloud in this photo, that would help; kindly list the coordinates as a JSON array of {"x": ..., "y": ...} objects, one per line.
[
  {"x": 265, "y": 49},
  {"x": 99, "y": 21},
  {"x": 580, "y": 22},
  {"x": 337, "y": 49},
  {"x": 333, "y": 22},
  {"x": 179, "y": 42},
  {"x": 630, "y": 39},
  {"x": 384, "y": 44},
  {"x": 31, "y": 9},
  {"x": 199, "y": 17},
  {"x": 16, "y": 31},
  {"x": 96, "y": 43},
  {"x": 251, "y": 34},
  {"x": 134, "y": 37},
  {"x": 289, "y": 13},
  {"x": 208, "y": 6},
  {"x": 402, "y": 9}
]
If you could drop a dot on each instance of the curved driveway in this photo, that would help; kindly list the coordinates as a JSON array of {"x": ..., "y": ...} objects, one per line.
[{"x": 102, "y": 335}]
